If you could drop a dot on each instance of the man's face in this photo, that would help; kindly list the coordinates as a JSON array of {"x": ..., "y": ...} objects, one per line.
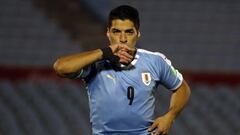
[{"x": 123, "y": 32}]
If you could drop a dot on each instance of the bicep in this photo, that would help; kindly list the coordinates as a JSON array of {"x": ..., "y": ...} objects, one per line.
[{"x": 182, "y": 90}]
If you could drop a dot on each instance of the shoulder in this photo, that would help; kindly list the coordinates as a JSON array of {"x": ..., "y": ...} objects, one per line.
[
  {"x": 156, "y": 55},
  {"x": 150, "y": 53}
]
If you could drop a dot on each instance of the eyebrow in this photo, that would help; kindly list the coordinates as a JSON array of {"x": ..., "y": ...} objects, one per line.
[
  {"x": 127, "y": 30},
  {"x": 114, "y": 29}
]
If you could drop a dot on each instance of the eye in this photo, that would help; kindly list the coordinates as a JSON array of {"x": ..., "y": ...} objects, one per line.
[
  {"x": 130, "y": 32},
  {"x": 115, "y": 31}
]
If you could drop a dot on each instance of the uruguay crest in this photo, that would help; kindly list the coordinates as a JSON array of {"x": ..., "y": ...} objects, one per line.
[{"x": 146, "y": 78}]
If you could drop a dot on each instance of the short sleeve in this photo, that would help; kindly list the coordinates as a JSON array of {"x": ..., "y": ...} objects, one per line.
[
  {"x": 168, "y": 75},
  {"x": 90, "y": 71},
  {"x": 84, "y": 73}
]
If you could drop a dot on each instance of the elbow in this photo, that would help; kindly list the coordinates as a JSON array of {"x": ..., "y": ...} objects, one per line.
[{"x": 60, "y": 68}]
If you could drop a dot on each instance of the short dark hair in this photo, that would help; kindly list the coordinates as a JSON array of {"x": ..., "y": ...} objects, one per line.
[{"x": 124, "y": 12}]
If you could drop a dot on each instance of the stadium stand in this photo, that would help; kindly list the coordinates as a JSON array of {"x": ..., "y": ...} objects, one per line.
[
  {"x": 189, "y": 32},
  {"x": 27, "y": 38},
  {"x": 200, "y": 37},
  {"x": 43, "y": 107},
  {"x": 61, "y": 107}
]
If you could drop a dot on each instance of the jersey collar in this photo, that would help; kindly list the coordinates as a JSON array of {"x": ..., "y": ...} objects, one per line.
[{"x": 132, "y": 64}]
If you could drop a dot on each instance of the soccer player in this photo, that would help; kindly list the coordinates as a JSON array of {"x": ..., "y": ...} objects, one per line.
[{"x": 121, "y": 80}]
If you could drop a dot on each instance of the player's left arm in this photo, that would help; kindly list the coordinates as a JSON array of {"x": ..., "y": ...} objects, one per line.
[{"x": 179, "y": 99}]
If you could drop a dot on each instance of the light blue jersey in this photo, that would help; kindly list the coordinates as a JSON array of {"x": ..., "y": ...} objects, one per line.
[{"x": 110, "y": 110}]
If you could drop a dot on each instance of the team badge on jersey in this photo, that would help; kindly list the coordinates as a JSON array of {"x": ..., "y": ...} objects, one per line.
[{"x": 146, "y": 78}]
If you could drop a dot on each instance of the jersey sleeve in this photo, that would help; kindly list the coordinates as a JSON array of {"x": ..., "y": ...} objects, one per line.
[
  {"x": 85, "y": 73},
  {"x": 168, "y": 75},
  {"x": 90, "y": 71}
]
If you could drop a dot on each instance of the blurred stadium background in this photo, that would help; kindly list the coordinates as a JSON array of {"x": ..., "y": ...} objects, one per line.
[{"x": 201, "y": 37}]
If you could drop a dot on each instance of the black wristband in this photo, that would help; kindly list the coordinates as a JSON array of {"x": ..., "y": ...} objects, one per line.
[
  {"x": 108, "y": 55},
  {"x": 107, "y": 52}
]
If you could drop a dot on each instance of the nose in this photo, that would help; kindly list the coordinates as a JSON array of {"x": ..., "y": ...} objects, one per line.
[{"x": 123, "y": 38}]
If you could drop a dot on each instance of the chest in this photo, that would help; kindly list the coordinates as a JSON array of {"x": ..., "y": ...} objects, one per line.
[{"x": 140, "y": 78}]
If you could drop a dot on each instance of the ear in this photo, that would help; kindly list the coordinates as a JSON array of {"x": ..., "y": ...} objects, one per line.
[
  {"x": 139, "y": 34},
  {"x": 107, "y": 33}
]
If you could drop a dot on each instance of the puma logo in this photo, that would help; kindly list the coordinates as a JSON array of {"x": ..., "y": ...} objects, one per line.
[{"x": 112, "y": 78}]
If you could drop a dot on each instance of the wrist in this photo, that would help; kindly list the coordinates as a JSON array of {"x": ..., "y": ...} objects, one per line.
[
  {"x": 171, "y": 115},
  {"x": 107, "y": 54}
]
